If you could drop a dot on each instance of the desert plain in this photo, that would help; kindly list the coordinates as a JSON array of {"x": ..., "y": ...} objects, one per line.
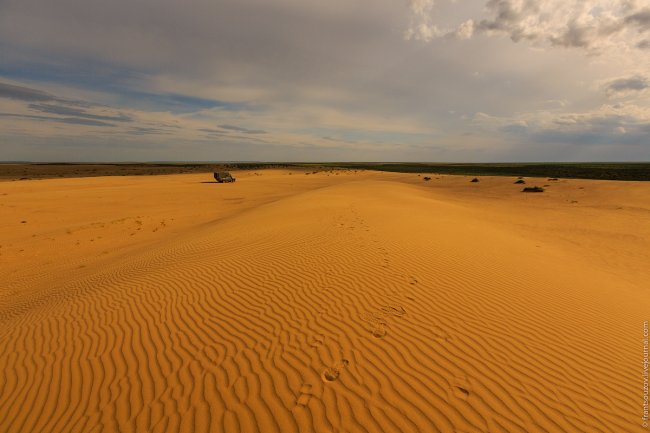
[{"x": 336, "y": 301}]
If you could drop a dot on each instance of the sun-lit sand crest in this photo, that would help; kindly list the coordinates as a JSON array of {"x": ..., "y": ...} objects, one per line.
[{"x": 362, "y": 302}]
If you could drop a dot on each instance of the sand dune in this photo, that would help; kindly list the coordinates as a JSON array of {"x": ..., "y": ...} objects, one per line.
[{"x": 355, "y": 302}]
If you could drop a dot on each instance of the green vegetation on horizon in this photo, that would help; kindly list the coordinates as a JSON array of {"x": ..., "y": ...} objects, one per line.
[
  {"x": 583, "y": 170},
  {"x": 586, "y": 170}
]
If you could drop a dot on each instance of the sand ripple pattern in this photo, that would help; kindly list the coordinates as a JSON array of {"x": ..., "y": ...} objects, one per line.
[{"x": 321, "y": 313}]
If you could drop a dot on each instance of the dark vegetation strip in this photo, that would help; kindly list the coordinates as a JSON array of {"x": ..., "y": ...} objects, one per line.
[{"x": 610, "y": 171}]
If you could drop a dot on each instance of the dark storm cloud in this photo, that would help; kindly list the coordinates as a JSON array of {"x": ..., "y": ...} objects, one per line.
[
  {"x": 641, "y": 19},
  {"x": 506, "y": 17},
  {"x": 575, "y": 35},
  {"x": 630, "y": 84},
  {"x": 644, "y": 44}
]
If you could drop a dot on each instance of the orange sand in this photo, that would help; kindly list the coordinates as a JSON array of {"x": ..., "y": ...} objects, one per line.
[{"x": 349, "y": 302}]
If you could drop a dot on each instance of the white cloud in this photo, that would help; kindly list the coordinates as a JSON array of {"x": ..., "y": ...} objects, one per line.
[
  {"x": 421, "y": 27},
  {"x": 465, "y": 30},
  {"x": 593, "y": 25}
]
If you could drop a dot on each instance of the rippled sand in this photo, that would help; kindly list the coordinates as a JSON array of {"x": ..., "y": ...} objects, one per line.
[{"x": 328, "y": 302}]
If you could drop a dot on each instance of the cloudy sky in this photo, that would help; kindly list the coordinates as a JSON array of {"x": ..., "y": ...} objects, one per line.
[{"x": 306, "y": 80}]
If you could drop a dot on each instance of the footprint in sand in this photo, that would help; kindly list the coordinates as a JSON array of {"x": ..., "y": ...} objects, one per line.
[
  {"x": 377, "y": 319},
  {"x": 330, "y": 374},
  {"x": 393, "y": 310},
  {"x": 461, "y": 387},
  {"x": 379, "y": 331},
  {"x": 316, "y": 340},
  {"x": 377, "y": 324},
  {"x": 305, "y": 395}
]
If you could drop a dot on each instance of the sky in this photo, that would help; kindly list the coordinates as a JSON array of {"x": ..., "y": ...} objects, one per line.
[{"x": 336, "y": 80}]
